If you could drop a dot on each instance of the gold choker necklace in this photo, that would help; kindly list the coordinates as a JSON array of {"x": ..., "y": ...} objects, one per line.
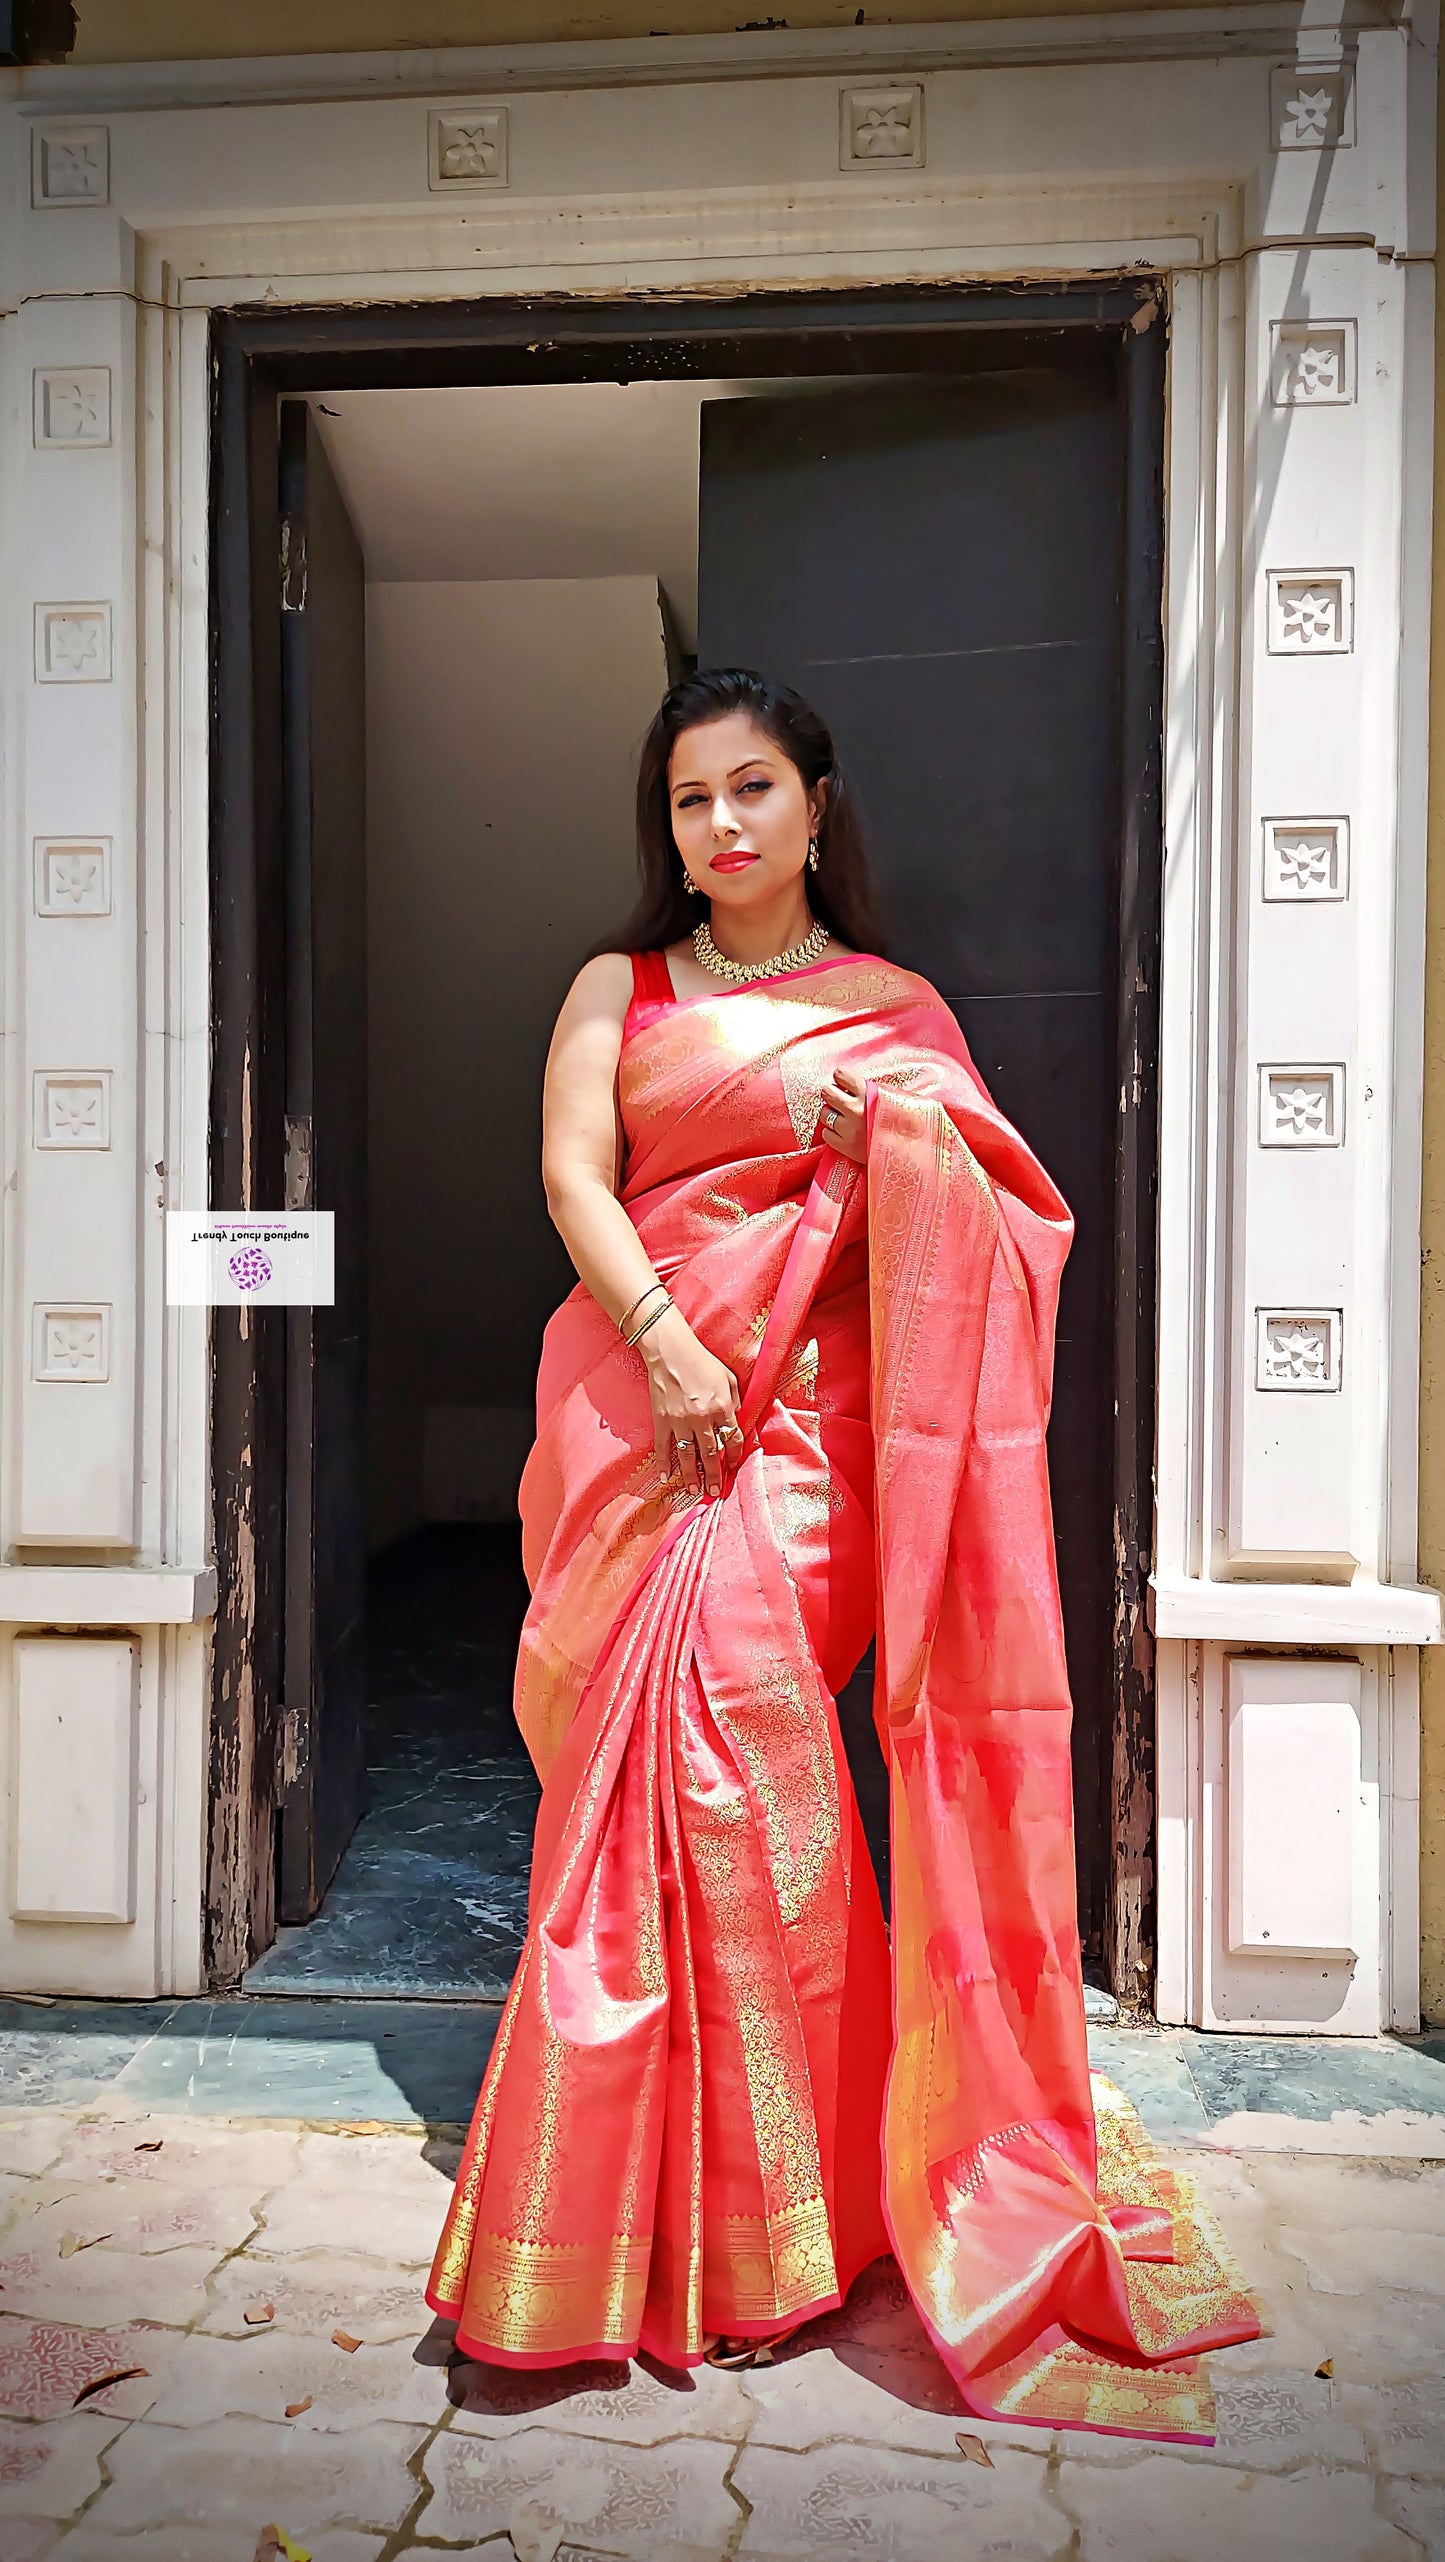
[{"x": 814, "y": 944}]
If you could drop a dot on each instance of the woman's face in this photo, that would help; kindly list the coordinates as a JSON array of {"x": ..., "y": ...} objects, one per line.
[{"x": 741, "y": 813}]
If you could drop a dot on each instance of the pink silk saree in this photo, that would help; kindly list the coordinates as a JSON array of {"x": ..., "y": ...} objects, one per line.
[{"x": 715, "y": 2094}]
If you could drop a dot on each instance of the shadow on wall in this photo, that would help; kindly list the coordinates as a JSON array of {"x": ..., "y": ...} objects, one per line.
[{"x": 503, "y": 722}]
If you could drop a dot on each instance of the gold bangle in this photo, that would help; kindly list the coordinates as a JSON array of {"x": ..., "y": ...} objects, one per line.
[
  {"x": 625, "y": 1320},
  {"x": 640, "y": 1331}
]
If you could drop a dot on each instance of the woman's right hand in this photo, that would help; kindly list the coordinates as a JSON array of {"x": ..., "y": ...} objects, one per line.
[{"x": 694, "y": 1402}]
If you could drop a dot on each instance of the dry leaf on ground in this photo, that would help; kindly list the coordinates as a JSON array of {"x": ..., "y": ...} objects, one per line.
[
  {"x": 295, "y": 2409},
  {"x": 277, "y": 2546},
  {"x": 973, "y": 2448},
  {"x": 98, "y": 2383},
  {"x": 70, "y": 2243},
  {"x": 343, "y": 2339},
  {"x": 152, "y": 2144},
  {"x": 1326, "y": 2369},
  {"x": 535, "y": 2532},
  {"x": 256, "y": 2313}
]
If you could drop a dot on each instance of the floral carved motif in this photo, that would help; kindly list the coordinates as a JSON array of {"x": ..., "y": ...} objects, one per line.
[
  {"x": 72, "y": 644},
  {"x": 72, "y": 1111},
  {"x": 1301, "y": 1107},
  {"x": 72, "y": 1343},
  {"x": 72, "y": 405},
  {"x": 72, "y": 876},
  {"x": 882, "y": 127},
  {"x": 468, "y": 149},
  {"x": 1313, "y": 364},
  {"x": 1298, "y": 1348},
  {"x": 1311, "y": 614},
  {"x": 1306, "y": 858},
  {"x": 70, "y": 165},
  {"x": 1310, "y": 109}
]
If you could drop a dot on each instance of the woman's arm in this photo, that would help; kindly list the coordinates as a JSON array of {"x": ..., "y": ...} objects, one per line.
[{"x": 694, "y": 1396}]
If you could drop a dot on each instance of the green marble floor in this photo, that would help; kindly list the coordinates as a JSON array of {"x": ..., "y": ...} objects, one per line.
[{"x": 336, "y": 2062}]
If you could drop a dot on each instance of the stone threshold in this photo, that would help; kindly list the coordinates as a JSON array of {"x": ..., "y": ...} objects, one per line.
[{"x": 330, "y": 2062}]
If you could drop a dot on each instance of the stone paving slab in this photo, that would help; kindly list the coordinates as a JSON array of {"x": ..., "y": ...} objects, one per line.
[
  {"x": 875, "y": 2504},
  {"x": 175, "y": 2151},
  {"x": 126, "y": 2215},
  {"x": 361, "y": 2193},
  {"x": 631, "y": 2406},
  {"x": 273, "y": 2373},
  {"x": 210, "y": 2544},
  {"x": 31, "y": 2142},
  {"x": 1419, "y": 2507},
  {"x": 237, "y": 2474},
  {"x": 51, "y": 2472},
  {"x": 649, "y": 2504},
  {"x": 1152, "y": 2511},
  {"x": 313, "y": 2291},
  {"x": 106, "y": 2288},
  {"x": 847, "y": 2446}
]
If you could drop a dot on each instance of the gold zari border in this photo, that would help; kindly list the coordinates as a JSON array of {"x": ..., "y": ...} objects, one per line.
[{"x": 532, "y": 2297}]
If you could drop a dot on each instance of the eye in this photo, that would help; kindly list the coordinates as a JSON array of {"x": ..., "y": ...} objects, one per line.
[
  {"x": 759, "y": 783},
  {"x": 689, "y": 800}
]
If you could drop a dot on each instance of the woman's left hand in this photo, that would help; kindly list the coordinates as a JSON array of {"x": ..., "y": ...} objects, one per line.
[{"x": 844, "y": 1122}]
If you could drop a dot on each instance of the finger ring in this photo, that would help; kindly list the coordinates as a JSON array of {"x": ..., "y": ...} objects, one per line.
[
  {"x": 683, "y": 1440},
  {"x": 830, "y": 1120}
]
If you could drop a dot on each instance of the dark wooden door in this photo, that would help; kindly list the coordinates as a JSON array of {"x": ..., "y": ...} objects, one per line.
[
  {"x": 938, "y": 565},
  {"x": 323, "y": 667}
]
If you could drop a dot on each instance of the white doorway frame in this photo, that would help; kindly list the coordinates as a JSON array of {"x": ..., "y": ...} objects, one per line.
[{"x": 1279, "y": 178}]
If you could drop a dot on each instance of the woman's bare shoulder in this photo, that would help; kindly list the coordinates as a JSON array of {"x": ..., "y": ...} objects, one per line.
[{"x": 602, "y": 989}]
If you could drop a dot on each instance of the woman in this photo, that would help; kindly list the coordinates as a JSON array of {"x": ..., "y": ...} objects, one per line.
[{"x": 800, "y": 1396}]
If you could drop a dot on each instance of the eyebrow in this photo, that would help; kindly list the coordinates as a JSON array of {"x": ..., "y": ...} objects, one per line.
[{"x": 697, "y": 783}]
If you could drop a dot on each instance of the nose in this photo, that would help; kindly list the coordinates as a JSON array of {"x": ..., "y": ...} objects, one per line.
[{"x": 724, "y": 823}]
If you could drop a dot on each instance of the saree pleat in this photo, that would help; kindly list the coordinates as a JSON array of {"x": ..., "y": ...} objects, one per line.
[{"x": 715, "y": 2095}]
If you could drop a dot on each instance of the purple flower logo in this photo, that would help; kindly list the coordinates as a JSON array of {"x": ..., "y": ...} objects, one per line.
[{"x": 250, "y": 1269}]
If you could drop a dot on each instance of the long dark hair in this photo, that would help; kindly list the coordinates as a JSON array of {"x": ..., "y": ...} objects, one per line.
[{"x": 840, "y": 891}]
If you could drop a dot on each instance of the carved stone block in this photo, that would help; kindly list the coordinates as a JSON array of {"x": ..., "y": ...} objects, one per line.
[
  {"x": 1306, "y": 858},
  {"x": 72, "y": 645},
  {"x": 70, "y": 1343},
  {"x": 1302, "y": 1107},
  {"x": 1312, "y": 363},
  {"x": 882, "y": 128},
  {"x": 1311, "y": 110},
  {"x": 1298, "y": 1349},
  {"x": 467, "y": 148},
  {"x": 72, "y": 406},
  {"x": 69, "y": 165},
  {"x": 1311, "y": 612},
  {"x": 72, "y": 1108}
]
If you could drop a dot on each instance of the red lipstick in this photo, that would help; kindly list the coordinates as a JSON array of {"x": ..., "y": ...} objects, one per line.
[{"x": 731, "y": 862}]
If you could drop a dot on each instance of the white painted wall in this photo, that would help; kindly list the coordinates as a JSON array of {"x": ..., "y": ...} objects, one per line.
[{"x": 503, "y": 723}]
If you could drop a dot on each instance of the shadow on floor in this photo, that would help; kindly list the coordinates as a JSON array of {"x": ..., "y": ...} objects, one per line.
[
  {"x": 332, "y": 2062},
  {"x": 430, "y": 1899}
]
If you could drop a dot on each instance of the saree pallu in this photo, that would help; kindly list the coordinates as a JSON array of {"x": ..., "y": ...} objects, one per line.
[{"x": 715, "y": 2093}]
